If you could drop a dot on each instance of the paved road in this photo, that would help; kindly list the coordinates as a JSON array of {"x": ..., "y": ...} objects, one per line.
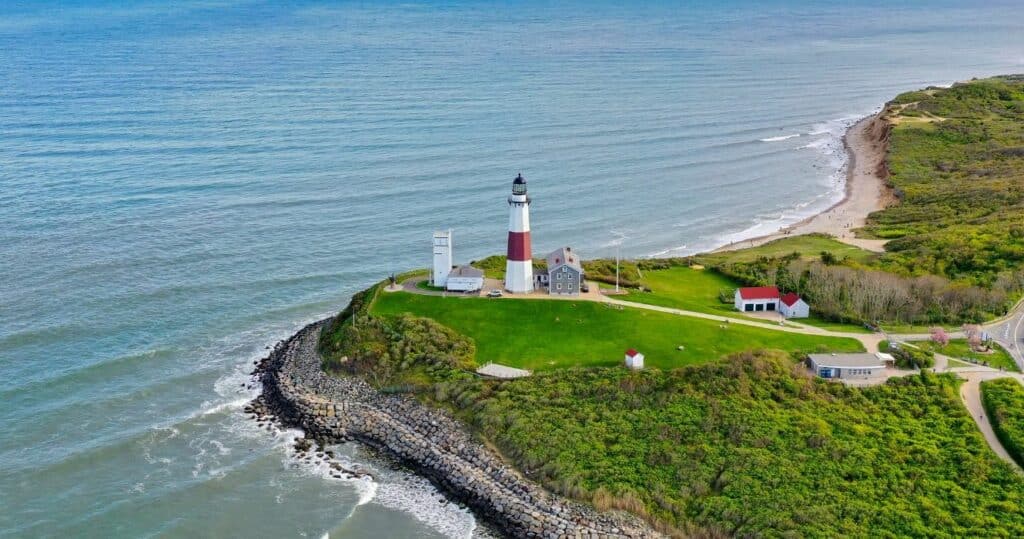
[
  {"x": 1009, "y": 332},
  {"x": 970, "y": 393}
]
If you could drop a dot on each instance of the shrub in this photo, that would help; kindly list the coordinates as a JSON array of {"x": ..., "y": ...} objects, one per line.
[{"x": 1004, "y": 403}]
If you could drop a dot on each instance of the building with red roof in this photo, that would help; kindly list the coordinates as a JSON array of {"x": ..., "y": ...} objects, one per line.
[
  {"x": 634, "y": 359},
  {"x": 792, "y": 305},
  {"x": 757, "y": 299}
]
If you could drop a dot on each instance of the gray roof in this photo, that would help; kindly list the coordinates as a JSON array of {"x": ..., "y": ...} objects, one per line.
[
  {"x": 501, "y": 371},
  {"x": 863, "y": 360},
  {"x": 466, "y": 271},
  {"x": 564, "y": 255}
]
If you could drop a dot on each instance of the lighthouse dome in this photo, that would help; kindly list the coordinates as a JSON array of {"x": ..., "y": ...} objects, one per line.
[{"x": 519, "y": 185}]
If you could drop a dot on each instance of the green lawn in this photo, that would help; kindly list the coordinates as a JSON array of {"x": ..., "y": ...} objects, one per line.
[
  {"x": 542, "y": 334},
  {"x": 809, "y": 246},
  {"x": 956, "y": 363},
  {"x": 685, "y": 288},
  {"x": 831, "y": 326},
  {"x": 698, "y": 290},
  {"x": 958, "y": 349}
]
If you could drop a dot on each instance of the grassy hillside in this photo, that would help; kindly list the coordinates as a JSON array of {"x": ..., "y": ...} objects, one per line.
[
  {"x": 543, "y": 334},
  {"x": 807, "y": 246},
  {"x": 753, "y": 447},
  {"x": 956, "y": 160},
  {"x": 1004, "y": 403},
  {"x": 686, "y": 288}
]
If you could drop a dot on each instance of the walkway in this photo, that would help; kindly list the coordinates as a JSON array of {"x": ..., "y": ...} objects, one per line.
[
  {"x": 869, "y": 340},
  {"x": 970, "y": 393}
]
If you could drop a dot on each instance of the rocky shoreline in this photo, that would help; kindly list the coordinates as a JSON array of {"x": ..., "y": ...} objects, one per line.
[{"x": 298, "y": 393}]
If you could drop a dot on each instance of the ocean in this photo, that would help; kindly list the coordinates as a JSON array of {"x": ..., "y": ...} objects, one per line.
[{"x": 184, "y": 184}]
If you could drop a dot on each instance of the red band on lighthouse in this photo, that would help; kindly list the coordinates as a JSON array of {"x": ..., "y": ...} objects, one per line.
[{"x": 519, "y": 246}]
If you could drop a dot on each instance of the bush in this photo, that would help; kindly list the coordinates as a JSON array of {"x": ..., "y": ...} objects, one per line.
[
  {"x": 754, "y": 447},
  {"x": 1004, "y": 403},
  {"x": 913, "y": 358}
]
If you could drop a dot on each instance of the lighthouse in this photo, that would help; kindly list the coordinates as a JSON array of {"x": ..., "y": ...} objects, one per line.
[{"x": 519, "y": 268}]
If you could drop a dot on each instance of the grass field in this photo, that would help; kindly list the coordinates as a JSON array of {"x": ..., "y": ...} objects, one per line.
[
  {"x": 698, "y": 290},
  {"x": 543, "y": 334},
  {"x": 810, "y": 247},
  {"x": 685, "y": 288},
  {"x": 958, "y": 349}
]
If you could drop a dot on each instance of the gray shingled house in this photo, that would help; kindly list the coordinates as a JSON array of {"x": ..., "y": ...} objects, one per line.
[{"x": 564, "y": 274}]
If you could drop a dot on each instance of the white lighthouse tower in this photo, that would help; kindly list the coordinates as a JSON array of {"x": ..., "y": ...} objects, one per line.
[{"x": 519, "y": 268}]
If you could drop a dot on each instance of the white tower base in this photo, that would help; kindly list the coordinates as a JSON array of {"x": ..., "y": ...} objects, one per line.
[{"x": 519, "y": 276}]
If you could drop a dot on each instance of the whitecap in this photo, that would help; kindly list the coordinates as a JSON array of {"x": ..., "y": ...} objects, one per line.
[{"x": 778, "y": 138}]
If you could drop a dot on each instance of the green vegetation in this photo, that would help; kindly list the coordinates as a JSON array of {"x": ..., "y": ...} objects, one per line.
[
  {"x": 753, "y": 446},
  {"x": 959, "y": 175},
  {"x": 402, "y": 352},
  {"x": 848, "y": 291},
  {"x": 958, "y": 348},
  {"x": 908, "y": 357},
  {"x": 494, "y": 266},
  {"x": 542, "y": 334},
  {"x": 705, "y": 291},
  {"x": 1004, "y": 403},
  {"x": 807, "y": 246},
  {"x": 686, "y": 288}
]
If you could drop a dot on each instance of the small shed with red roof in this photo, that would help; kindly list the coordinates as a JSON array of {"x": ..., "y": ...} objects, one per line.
[
  {"x": 757, "y": 299},
  {"x": 792, "y": 305},
  {"x": 634, "y": 359}
]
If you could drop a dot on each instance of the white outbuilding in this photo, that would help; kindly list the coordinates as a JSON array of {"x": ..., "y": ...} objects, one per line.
[
  {"x": 756, "y": 299},
  {"x": 634, "y": 359},
  {"x": 464, "y": 279},
  {"x": 793, "y": 306}
]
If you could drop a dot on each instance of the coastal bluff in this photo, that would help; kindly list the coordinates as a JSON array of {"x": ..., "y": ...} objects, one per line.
[{"x": 298, "y": 392}]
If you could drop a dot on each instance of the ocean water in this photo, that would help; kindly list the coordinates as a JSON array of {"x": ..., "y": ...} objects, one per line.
[{"x": 183, "y": 184}]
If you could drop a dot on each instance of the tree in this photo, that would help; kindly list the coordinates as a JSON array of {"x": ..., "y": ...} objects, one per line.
[
  {"x": 973, "y": 334},
  {"x": 939, "y": 336}
]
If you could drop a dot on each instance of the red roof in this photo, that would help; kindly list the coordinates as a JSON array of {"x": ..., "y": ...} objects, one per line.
[
  {"x": 790, "y": 299},
  {"x": 759, "y": 292},
  {"x": 631, "y": 352}
]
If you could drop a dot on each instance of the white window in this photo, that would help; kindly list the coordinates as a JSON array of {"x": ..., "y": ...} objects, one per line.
[{"x": 559, "y": 286}]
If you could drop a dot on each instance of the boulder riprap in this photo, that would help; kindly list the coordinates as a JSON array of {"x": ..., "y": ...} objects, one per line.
[{"x": 298, "y": 393}]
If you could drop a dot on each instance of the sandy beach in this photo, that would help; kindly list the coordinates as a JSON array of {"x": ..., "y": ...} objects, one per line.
[{"x": 866, "y": 191}]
